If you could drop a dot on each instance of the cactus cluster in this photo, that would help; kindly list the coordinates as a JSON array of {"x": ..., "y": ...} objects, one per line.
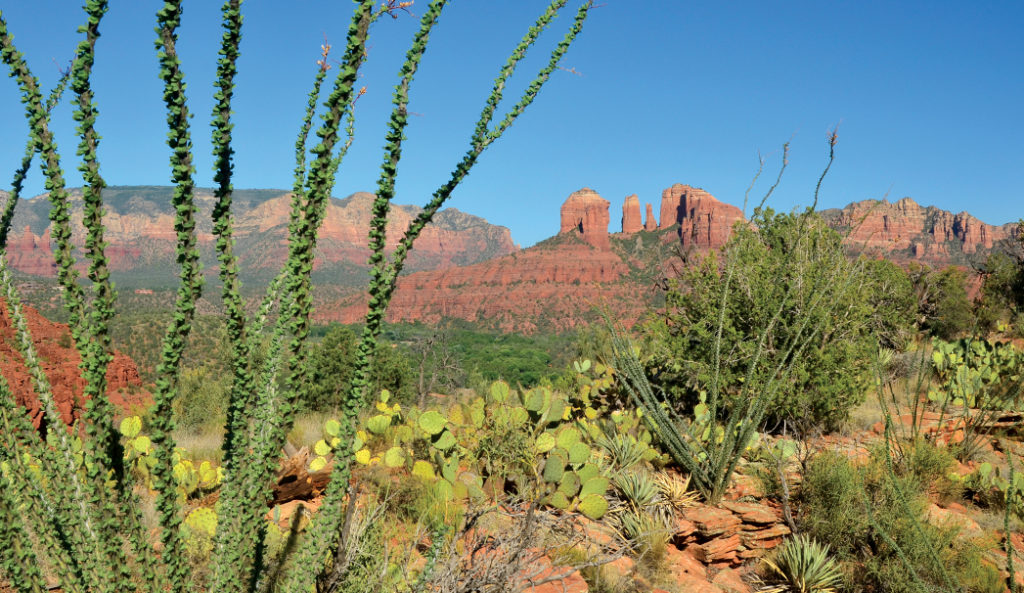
[
  {"x": 977, "y": 373},
  {"x": 191, "y": 479},
  {"x": 450, "y": 449}
]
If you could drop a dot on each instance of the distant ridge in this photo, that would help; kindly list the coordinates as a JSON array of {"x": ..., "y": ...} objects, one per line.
[{"x": 141, "y": 239}]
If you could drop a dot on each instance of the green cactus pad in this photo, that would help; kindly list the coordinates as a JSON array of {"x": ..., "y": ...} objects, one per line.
[
  {"x": 579, "y": 453},
  {"x": 322, "y": 448},
  {"x": 378, "y": 424},
  {"x": 568, "y": 437},
  {"x": 317, "y": 464},
  {"x": 554, "y": 468},
  {"x": 533, "y": 400},
  {"x": 141, "y": 443},
  {"x": 131, "y": 426},
  {"x": 569, "y": 485},
  {"x": 593, "y": 506},
  {"x": 588, "y": 471},
  {"x": 444, "y": 441},
  {"x": 518, "y": 416},
  {"x": 202, "y": 520},
  {"x": 444, "y": 490},
  {"x": 332, "y": 427},
  {"x": 499, "y": 391},
  {"x": 456, "y": 415},
  {"x": 432, "y": 422},
  {"x": 449, "y": 467},
  {"x": 597, "y": 485},
  {"x": 545, "y": 442},
  {"x": 423, "y": 469},
  {"x": 395, "y": 457},
  {"x": 558, "y": 500}
]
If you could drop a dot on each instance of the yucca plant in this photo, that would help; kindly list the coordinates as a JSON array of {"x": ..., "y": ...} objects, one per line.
[
  {"x": 77, "y": 507},
  {"x": 802, "y": 565}
]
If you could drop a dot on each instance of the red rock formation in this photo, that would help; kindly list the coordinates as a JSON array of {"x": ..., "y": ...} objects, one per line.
[
  {"x": 904, "y": 230},
  {"x": 554, "y": 287},
  {"x": 650, "y": 224},
  {"x": 704, "y": 222},
  {"x": 586, "y": 213},
  {"x": 631, "y": 221},
  {"x": 60, "y": 363}
]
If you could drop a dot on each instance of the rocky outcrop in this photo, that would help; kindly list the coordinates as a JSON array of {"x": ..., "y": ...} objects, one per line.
[
  {"x": 139, "y": 230},
  {"x": 704, "y": 222},
  {"x": 60, "y": 363},
  {"x": 905, "y": 230},
  {"x": 585, "y": 213},
  {"x": 631, "y": 221},
  {"x": 650, "y": 223}
]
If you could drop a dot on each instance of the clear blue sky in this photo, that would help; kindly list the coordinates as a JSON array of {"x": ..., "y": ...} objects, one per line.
[{"x": 928, "y": 96}]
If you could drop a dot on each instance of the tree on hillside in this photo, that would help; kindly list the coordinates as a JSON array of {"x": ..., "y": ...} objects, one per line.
[
  {"x": 329, "y": 370},
  {"x": 944, "y": 310},
  {"x": 1002, "y": 289}
]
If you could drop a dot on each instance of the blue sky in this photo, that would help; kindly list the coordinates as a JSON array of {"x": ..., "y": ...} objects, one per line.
[{"x": 927, "y": 95}]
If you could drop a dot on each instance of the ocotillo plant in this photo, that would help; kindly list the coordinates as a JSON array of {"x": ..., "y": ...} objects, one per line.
[{"x": 67, "y": 497}]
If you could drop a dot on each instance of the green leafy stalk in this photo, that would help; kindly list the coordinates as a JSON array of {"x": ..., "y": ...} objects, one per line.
[
  {"x": 179, "y": 139},
  {"x": 26, "y": 163},
  {"x": 275, "y": 411},
  {"x": 223, "y": 224}
]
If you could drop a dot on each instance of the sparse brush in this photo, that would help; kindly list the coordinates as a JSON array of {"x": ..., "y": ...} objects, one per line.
[{"x": 804, "y": 566}]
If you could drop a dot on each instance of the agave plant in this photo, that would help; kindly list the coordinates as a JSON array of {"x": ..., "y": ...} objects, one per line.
[{"x": 802, "y": 565}]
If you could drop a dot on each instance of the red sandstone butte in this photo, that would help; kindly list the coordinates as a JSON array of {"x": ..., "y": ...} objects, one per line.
[
  {"x": 60, "y": 363},
  {"x": 586, "y": 213},
  {"x": 631, "y": 221},
  {"x": 704, "y": 222},
  {"x": 650, "y": 223}
]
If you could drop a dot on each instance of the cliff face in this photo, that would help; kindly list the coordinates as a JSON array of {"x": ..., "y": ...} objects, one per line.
[
  {"x": 60, "y": 363},
  {"x": 704, "y": 222},
  {"x": 905, "y": 231},
  {"x": 586, "y": 214},
  {"x": 141, "y": 237}
]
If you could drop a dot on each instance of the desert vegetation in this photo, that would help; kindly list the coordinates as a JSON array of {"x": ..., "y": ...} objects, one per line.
[{"x": 792, "y": 416}]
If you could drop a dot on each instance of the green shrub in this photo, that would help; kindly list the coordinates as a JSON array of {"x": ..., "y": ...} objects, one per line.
[
  {"x": 873, "y": 519},
  {"x": 776, "y": 270}
]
